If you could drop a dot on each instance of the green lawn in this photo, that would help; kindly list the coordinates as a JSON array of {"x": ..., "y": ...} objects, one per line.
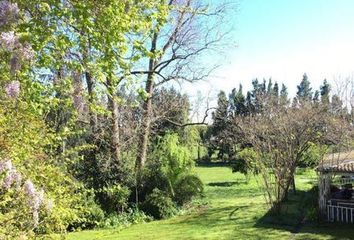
[{"x": 235, "y": 210}]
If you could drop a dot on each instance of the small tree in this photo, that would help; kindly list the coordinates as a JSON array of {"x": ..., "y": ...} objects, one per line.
[{"x": 281, "y": 137}]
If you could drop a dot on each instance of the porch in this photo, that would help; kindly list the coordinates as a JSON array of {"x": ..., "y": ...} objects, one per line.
[{"x": 336, "y": 179}]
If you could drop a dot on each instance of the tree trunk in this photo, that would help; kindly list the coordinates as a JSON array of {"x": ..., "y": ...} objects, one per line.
[
  {"x": 293, "y": 184},
  {"x": 91, "y": 99},
  {"x": 147, "y": 111},
  {"x": 114, "y": 121},
  {"x": 144, "y": 135},
  {"x": 146, "y": 124},
  {"x": 198, "y": 152},
  {"x": 146, "y": 119}
]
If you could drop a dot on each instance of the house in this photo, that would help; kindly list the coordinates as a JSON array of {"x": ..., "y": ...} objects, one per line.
[{"x": 336, "y": 196}]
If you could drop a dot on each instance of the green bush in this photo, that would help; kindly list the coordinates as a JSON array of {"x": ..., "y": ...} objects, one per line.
[
  {"x": 245, "y": 162},
  {"x": 132, "y": 216},
  {"x": 159, "y": 205},
  {"x": 113, "y": 198},
  {"x": 312, "y": 155},
  {"x": 90, "y": 214},
  {"x": 187, "y": 187}
]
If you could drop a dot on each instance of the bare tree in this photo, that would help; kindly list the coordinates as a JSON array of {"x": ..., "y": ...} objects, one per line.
[
  {"x": 344, "y": 89},
  {"x": 175, "y": 50},
  {"x": 280, "y": 136}
]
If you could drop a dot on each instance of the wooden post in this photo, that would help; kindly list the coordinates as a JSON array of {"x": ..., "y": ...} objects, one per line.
[{"x": 324, "y": 187}]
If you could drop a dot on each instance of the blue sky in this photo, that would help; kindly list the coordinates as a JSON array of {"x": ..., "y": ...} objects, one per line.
[{"x": 282, "y": 39}]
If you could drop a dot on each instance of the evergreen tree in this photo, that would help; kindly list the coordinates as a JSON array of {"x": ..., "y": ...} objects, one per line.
[
  {"x": 276, "y": 90},
  {"x": 270, "y": 87},
  {"x": 219, "y": 131},
  {"x": 240, "y": 102},
  {"x": 257, "y": 94},
  {"x": 232, "y": 97},
  {"x": 316, "y": 97},
  {"x": 256, "y": 88},
  {"x": 283, "y": 95},
  {"x": 263, "y": 86},
  {"x": 304, "y": 91},
  {"x": 325, "y": 89},
  {"x": 220, "y": 115}
]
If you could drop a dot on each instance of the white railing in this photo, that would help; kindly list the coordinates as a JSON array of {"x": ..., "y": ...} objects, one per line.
[
  {"x": 343, "y": 181},
  {"x": 340, "y": 213}
]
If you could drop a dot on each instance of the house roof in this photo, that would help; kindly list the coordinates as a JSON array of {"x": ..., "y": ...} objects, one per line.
[{"x": 342, "y": 162}]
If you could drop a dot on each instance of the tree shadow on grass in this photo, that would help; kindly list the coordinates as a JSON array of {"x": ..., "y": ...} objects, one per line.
[
  {"x": 294, "y": 218},
  {"x": 226, "y": 184},
  {"x": 215, "y": 217}
]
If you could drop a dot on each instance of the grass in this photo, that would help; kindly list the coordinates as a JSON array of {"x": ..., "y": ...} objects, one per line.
[{"x": 234, "y": 210}]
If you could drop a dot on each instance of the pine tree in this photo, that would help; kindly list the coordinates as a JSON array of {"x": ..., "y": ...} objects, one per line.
[
  {"x": 249, "y": 103},
  {"x": 304, "y": 91},
  {"x": 325, "y": 89},
  {"x": 220, "y": 125},
  {"x": 270, "y": 86},
  {"x": 316, "y": 97},
  {"x": 276, "y": 90},
  {"x": 232, "y": 97},
  {"x": 240, "y": 103},
  {"x": 263, "y": 86},
  {"x": 284, "y": 95},
  {"x": 220, "y": 115}
]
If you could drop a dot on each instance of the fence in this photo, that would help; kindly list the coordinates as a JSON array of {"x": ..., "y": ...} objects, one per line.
[{"x": 342, "y": 212}]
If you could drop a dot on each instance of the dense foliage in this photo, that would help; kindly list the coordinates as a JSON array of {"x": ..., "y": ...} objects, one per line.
[
  {"x": 82, "y": 143},
  {"x": 95, "y": 133}
]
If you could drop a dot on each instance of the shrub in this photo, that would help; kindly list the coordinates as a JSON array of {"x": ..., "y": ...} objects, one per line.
[
  {"x": 132, "y": 216},
  {"x": 313, "y": 155},
  {"x": 22, "y": 204},
  {"x": 245, "y": 162},
  {"x": 159, "y": 205},
  {"x": 90, "y": 214},
  {"x": 187, "y": 187},
  {"x": 114, "y": 198}
]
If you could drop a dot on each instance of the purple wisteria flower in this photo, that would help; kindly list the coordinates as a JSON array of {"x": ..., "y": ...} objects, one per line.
[
  {"x": 5, "y": 166},
  {"x": 9, "y": 40},
  {"x": 8, "y": 12},
  {"x": 29, "y": 188},
  {"x": 13, "y": 177},
  {"x": 27, "y": 52},
  {"x": 13, "y": 89},
  {"x": 17, "y": 178},
  {"x": 35, "y": 218},
  {"x": 35, "y": 199},
  {"x": 9, "y": 179},
  {"x": 49, "y": 205}
]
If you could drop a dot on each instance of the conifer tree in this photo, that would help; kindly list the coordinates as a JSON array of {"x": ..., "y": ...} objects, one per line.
[
  {"x": 304, "y": 91},
  {"x": 316, "y": 97},
  {"x": 325, "y": 89},
  {"x": 276, "y": 90},
  {"x": 283, "y": 95}
]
